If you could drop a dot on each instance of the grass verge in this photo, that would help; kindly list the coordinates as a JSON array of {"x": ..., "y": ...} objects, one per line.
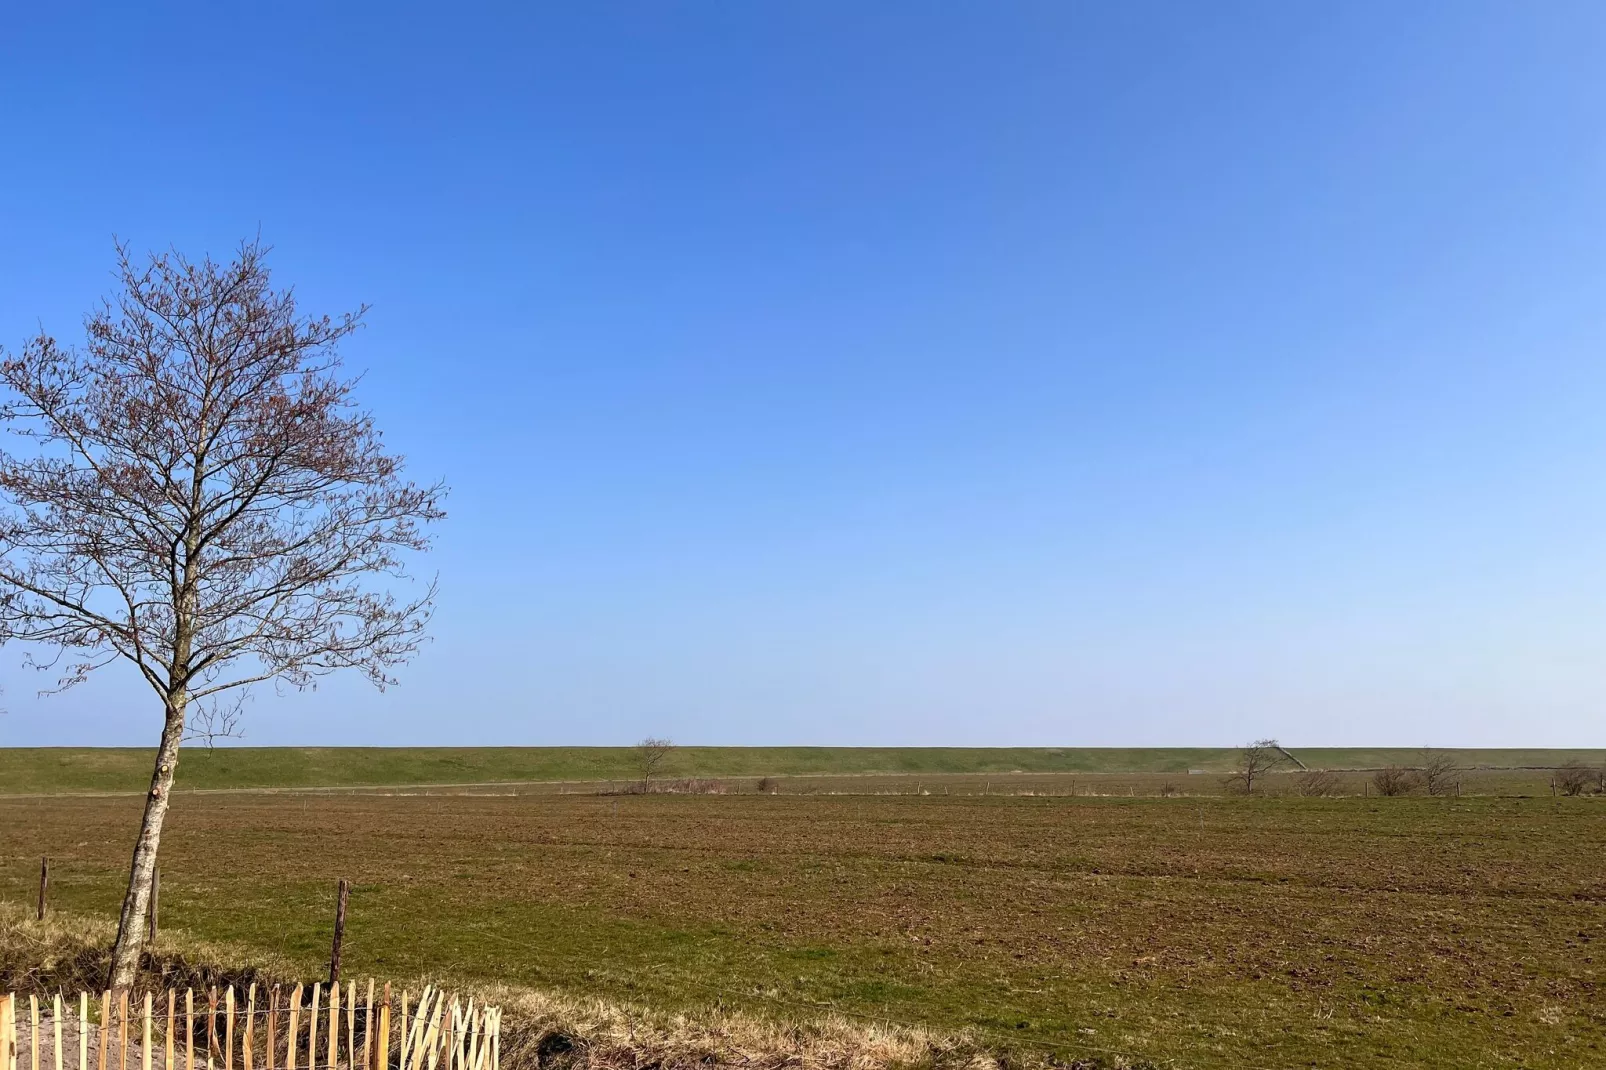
[{"x": 68, "y": 953}]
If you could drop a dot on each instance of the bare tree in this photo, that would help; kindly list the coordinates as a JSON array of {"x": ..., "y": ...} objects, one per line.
[
  {"x": 1254, "y": 763},
  {"x": 1393, "y": 780},
  {"x": 1573, "y": 776},
  {"x": 1438, "y": 772},
  {"x": 650, "y": 756},
  {"x": 193, "y": 493}
]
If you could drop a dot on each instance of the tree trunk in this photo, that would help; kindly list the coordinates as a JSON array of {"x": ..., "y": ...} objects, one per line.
[{"x": 136, "y": 903}]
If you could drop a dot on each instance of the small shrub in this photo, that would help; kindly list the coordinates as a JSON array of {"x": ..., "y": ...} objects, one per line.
[
  {"x": 1438, "y": 774},
  {"x": 1169, "y": 789},
  {"x": 687, "y": 786},
  {"x": 767, "y": 786},
  {"x": 682, "y": 786},
  {"x": 1572, "y": 776},
  {"x": 1392, "y": 780},
  {"x": 1316, "y": 783}
]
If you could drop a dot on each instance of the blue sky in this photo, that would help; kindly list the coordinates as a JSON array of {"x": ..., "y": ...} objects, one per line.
[{"x": 964, "y": 373}]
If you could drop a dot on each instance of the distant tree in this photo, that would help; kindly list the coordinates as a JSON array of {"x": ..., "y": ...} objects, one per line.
[
  {"x": 1437, "y": 772},
  {"x": 1394, "y": 780},
  {"x": 651, "y": 754},
  {"x": 1316, "y": 782},
  {"x": 1255, "y": 762},
  {"x": 1573, "y": 776},
  {"x": 200, "y": 499}
]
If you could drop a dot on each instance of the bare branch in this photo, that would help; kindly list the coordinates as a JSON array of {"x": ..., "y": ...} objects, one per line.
[
  {"x": 215, "y": 720},
  {"x": 1254, "y": 762},
  {"x": 202, "y": 497},
  {"x": 651, "y": 753},
  {"x": 1439, "y": 773}
]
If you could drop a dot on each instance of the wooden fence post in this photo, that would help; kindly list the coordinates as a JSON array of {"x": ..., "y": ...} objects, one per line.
[
  {"x": 401, "y": 1043},
  {"x": 211, "y": 1026},
  {"x": 382, "y": 1055},
  {"x": 340, "y": 933},
  {"x": 105, "y": 1025},
  {"x": 273, "y": 1023},
  {"x": 312, "y": 1031},
  {"x": 461, "y": 1049},
  {"x": 351, "y": 1024},
  {"x": 56, "y": 1022},
  {"x": 7, "y": 1034},
  {"x": 367, "y": 1032},
  {"x": 295, "y": 1022},
  {"x": 248, "y": 1051},
  {"x": 413, "y": 1043},
  {"x": 432, "y": 1035},
  {"x": 44, "y": 884},
  {"x": 334, "y": 1023}
]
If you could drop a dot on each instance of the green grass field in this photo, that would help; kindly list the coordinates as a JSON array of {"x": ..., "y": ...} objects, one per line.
[
  {"x": 1210, "y": 933},
  {"x": 69, "y": 769}
]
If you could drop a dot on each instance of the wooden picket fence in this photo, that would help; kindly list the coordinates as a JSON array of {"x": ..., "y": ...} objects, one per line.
[{"x": 278, "y": 1032}]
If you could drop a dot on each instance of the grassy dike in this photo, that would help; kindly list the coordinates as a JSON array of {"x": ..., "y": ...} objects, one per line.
[{"x": 119, "y": 769}]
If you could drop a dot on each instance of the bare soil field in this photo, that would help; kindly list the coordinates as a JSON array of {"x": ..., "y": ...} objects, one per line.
[{"x": 1194, "y": 931}]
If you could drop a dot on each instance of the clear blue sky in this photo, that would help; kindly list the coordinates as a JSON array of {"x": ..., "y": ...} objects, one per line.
[{"x": 955, "y": 373}]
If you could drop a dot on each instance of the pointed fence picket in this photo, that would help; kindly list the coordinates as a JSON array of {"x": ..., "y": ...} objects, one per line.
[{"x": 359, "y": 1030}]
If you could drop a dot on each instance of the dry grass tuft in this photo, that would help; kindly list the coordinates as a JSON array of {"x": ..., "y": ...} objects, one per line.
[
  {"x": 547, "y": 1030},
  {"x": 67, "y": 953},
  {"x": 679, "y": 786}
]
